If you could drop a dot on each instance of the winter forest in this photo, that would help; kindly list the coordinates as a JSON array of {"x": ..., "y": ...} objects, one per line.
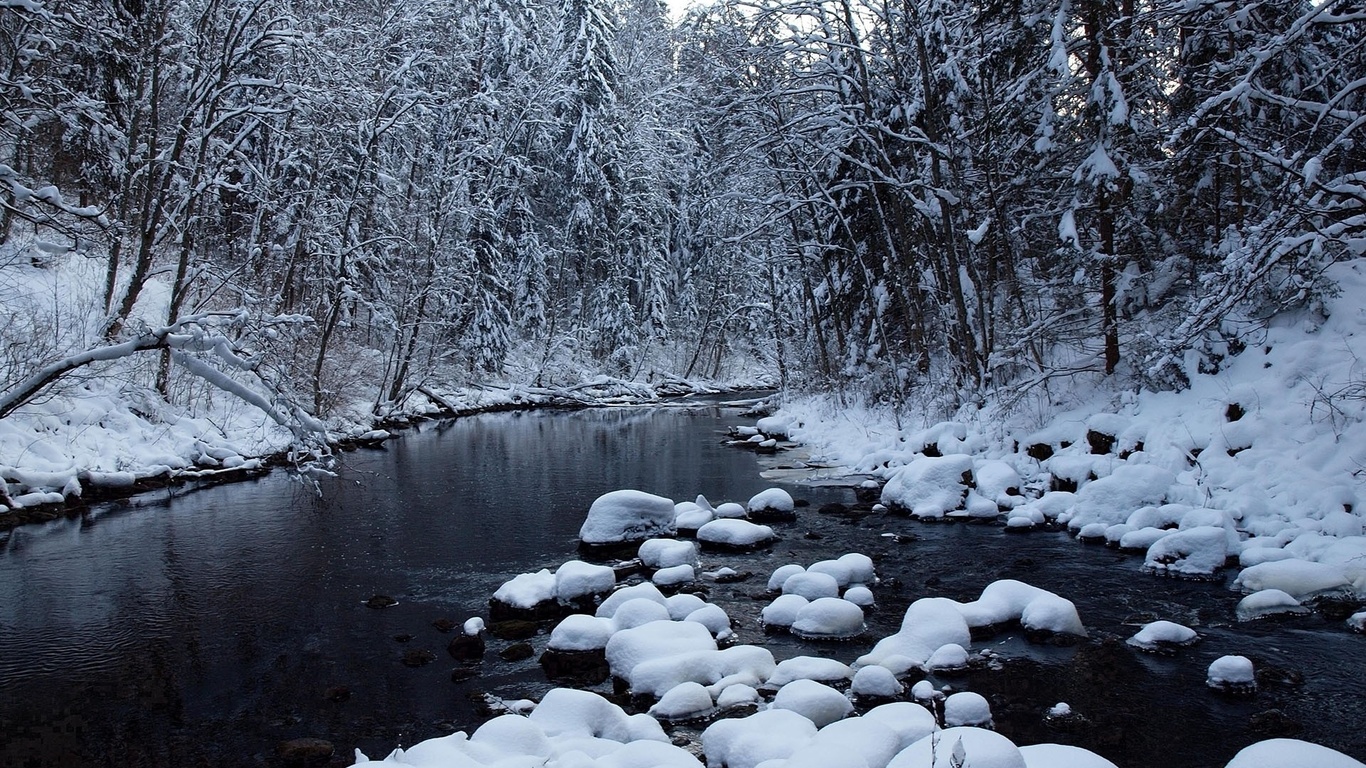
[{"x": 312, "y": 203}]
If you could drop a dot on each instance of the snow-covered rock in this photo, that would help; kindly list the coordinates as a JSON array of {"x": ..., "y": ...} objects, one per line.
[
  {"x": 1232, "y": 674},
  {"x": 1062, "y": 756},
  {"x": 929, "y": 624},
  {"x": 773, "y": 734},
  {"x": 811, "y": 585},
  {"x": 1291, "y": 753},
  {"x": 929, "y": 487},
  {"x": 950, "y": 657},
  {"x": 781, "y": 574},
  {"x": 828, "y": 618},
  {"x": 666, "y": 553},
  {"x": 735, "y": 534},
  {"x": 1163, "y": 636},
  {"x": 1112, "y": 499},
  {"x": 960, "y": 747},
  {"x": 860, "y": 596},
  {"x": 674, "y": 576},
  {"x": 876, "y": 682},
  {"x": 772, "y": 504},
  {"x": 967, "y": 708},
  {"x": 1268, "y": 602},
  {"x": 816, "y": 668},
  {"x": 576, "y": 579},
  {"x": 657, "y": 639},
  {"x": 708, "y": 666},
  {"x": 627, "y": 515},
  {"x": 1193, "y": 553},
  {"x": 1299, "y": 578},
  {"x": 783, "y": 611},
  {"x": 685, "y": 701},
  {"x": 911, "y": 722},
  {"x": 815, "y": 701},
  {"x": 580, "y": 632},
  {"x": 730, "y": 510}
]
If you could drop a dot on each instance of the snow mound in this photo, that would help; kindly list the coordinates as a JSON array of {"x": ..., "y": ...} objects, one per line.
[
  {"x": 627, "y": 515},
  {"x": 961, "y": 747},
  {"x": 930, "y": 623},
  {"x": 911, "y": 722},
  {"x": 1062, "y": 756},
  {"x": 774, "y": 501},
  {"x": 659, "y": 674},
  {"x": 685, "y": 701},
  {"x": 730, "y": 510},
  {"x": 653, "y": 641},
  {"x": 674, "y": 576},
  {"x": 876, "y": 682},
  {"x": 579, "y": 632},
  {"x": 967, "y": 708},
  {"x": 807, "y": 668},
  {"x": 576, "y": 579},
  {"x": 666, "y": 553},
  {"x": 1231, "y": 674},
  {"x": 1194, "y": 553},
  {"x": 1111, "y": 499},
  {"x": 815, "y": 701},
  {"x": 1268, "y": 602},
  {"x": 781, "y": 574},
  {"x": 948, "y": 658},
  {"x": 1161, "y": 636},
  {"x": 774, "y": 734},
  {"x": 739, "y": 534},
  {"x": 783, "y": 611},
  {"x": 828, "y": 618},
  {"x": 527, "y": 590},
  {"x": 811, "y": 585},
  {"x": 929, "y": 487},
  {"x": 1008, "y": 600},
  {"x": 1291, "y": 753},
  {"x": 1299, "y": 578}
]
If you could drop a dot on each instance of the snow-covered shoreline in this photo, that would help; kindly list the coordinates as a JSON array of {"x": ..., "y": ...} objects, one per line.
[{"x": 95, "y": 444}]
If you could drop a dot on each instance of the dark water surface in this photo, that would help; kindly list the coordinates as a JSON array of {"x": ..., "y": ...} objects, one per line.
[{"x": 204, "y": 630}]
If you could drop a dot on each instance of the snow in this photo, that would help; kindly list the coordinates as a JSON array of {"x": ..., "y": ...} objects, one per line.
[
  {"x": 685, "y": 701},
  {"x": 876, "y": 681},
  {"x": 861, "y": 568},
  {"x": 714, "y": 618},
  {"x": 1299, "y": 578},
  {"x": 947, "y": 657},
  {"x": 657, "y": 639},
  {"x": 683, "y": 604},
  {"x": 860, "y": 596},
  {"x": 667, "y": 668},
  {"x": 1159, "y": 635},
  {"x": 1231, "y": 673},
  {"x": 960, "y": 746},
  {"x": 735, "y": 533},
  {"x": 473, "y": 626},
  {"x": 911, "y": 722},
  {"x": 627, "y": 515},
  {"x": 1062, "y": 756},
  {"x": 579, "y": 632},
  {"x": 928, "y": 487},
  {"x": 1291, "y": 753},
  {"x": 1009, "y": 600},
  {"x": 811, "y": 585},
  {"x": 1268, "y": 602},
  {"x": 816, "y": 668},
  {"x": 527, "y": 590},
  {"x": 674, "y": 576},
  {"x": 783, "y": 610},
  {"x": 828, "y": 618},
  {"x": 929, "y": 624},
  {"x": 815, "y": 701},
  {"x": 648, "y": 591},
  {"x": 773, "y": 734},
  {"x": 967, "y": 708},
  {"x": 730, "y": 509},
  {"x": 781, "y": 574},
  {"x": 1196, "y": 552},
  {"x": 840, "y": 571},
  {"x": 774, "y": 500},
  {"x": 666, "y": 553},
  {"x": 579, "y": 579},
  {"x": 1357, "y": 621}
]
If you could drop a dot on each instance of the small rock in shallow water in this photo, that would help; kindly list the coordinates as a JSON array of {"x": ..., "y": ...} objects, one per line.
[
  {"x": 304, "y": 753},
  {"x": 443, "y": 625},
  {"x": 466, "y": 647},
  {"x": 418, "y": 657},
  {"x": 461, "y": 674},
  {"x": 402, "y": 638},
  {"x": 513, "y": 629},
  {"x": 1273, "y": 724},
  {"x": 380, "y": 601},
  {"x": 517, "y": 652}
]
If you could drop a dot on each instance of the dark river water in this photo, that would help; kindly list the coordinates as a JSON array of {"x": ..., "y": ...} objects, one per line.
[{"x": 204, "y": 630}]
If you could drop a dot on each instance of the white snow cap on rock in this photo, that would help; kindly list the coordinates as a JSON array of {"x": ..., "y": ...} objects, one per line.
[
  {"x": 734, "y": 533},
  {"x": 666, "y": 553},
  {"x": 1231, "y": 672},
  {"x": 929, "y": 487},
  {"x": 773, "y": 734},
  {"x": 627, "y": 515},
  {"x": 930, "y": 623},
  {"x": 1159, "y": 634},
  {"x": 1291, "y": 753},
  {"x": 967, "y": 708},
  {"x": 828, "y": 618},
  {"x": 1268, "y": 602},
  {"x": 961, "y": 746},
  {"x": 1009, "y": 600},
  {"x": 1062, "y": 756},
  {"x": 781, "y": 574},
  {"x": 815, "y": 701},
  {"x": 772, "y": 500},
  {"x": 816, "y": 668},
  {"x": 579, "y": 579},
  {"x": 876, "y": 681}
]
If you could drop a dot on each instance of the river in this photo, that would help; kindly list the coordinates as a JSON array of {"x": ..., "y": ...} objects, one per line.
[{"x": 206, "y": 629}]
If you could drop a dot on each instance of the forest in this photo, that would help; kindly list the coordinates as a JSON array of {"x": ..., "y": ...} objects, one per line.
[{"x": 308, "y": 203}]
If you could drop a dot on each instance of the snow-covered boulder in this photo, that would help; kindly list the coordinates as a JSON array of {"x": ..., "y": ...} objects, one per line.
[
  {"x": 568, "y": 712},
  {"x": 657, "y": 639},
  {"x": 816, "y": 668},
  {"x": 860, "y": 596},
  {"x": 967, "y": 708},
  {"x": 1163, "y": 637},
  {"x": 730, "y": 510},
  {"x": 580, "y": 632},
  {"x": 666, "y": 553},
  {"x": 627, "y": 516},
  {"x": 1062, "y": 756},
  {"x": 811, "y": 585},
  {"x": 646, "y": 590},
  {"x": 773, "y": 734},
  {"x": 947, "y": 659},
  {"x": 1268, "y": 602},
  {"x": 828, "y": 618},
  {"x": 685, "y": 701},
  {"x": 708, "y": 666},
  {"x": 930, "y": 623},
  {"x": 780, "y": 613},
  {"x": 1112, "y": 499},
  {"x": 1299, "y": 578},
  {"x": 772, "y": 504},
  {"x": 1041, "y": 613},
  {"x": 929, "y": 487},
  {"x": 876, "y": 682},
  {"x": 1291, "y": 753},
  {"x": 734, "y": 534},
  {"x": 998, "y": 482},
  {"x": 1195, "y": 553},
  {"x": 861, "y": 568},
  {"x": 577, "y": 579},
  {"x": 1232, "y": 674},
  {"x": 815, "y": 701},
  {"x": 674, "y": 576},
  {"x": 714, "y": 618},
  {"x": 911, "y": 722},
  {"x": 960, "y": 747},
  {"x": 781, "y": 574}
]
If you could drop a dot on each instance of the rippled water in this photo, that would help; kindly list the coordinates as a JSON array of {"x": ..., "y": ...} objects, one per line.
[{"x": 203, "y": 630}]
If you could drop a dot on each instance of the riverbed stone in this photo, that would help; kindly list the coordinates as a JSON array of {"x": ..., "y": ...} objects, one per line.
[
  {"x": 517, "y": 652},
  {"x": 466, "y": 647},
  {"x": 380, "y": 601},
  {"x": 418, "y": 657},
  {"x": 304, "y": 753},
  {"x": 513, "y": 629}
]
